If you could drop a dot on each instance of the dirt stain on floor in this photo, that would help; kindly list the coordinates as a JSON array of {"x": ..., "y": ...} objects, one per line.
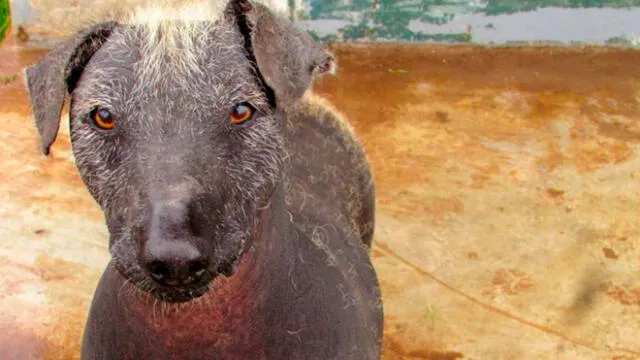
[{"x": 506, "y": 181}]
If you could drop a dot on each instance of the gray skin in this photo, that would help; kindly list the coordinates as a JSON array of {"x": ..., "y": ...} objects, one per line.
[{"x": 228, "y": 241}]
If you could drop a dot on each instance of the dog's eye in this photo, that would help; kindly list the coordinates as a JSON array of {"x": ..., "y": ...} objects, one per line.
[
  {"x": 241, "y": 113},
  {"x": 103, "y": 119}
]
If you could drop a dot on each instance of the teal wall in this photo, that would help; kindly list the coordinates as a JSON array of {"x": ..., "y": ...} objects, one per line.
[
  {"x": 475, "y": 21},
  {"x": 492, "y": 21}
]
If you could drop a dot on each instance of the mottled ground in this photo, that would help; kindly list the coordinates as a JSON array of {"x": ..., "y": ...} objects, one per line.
[{"x": 507, "y": 204}]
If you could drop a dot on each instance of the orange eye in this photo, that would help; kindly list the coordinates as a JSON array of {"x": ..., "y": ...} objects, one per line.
[
  {"x": 241, "y": 113},
  {"x": 103, "y": 119}
]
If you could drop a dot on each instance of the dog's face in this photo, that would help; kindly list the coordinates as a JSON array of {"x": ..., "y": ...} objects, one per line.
[
  {"x": 177, "y": 131},
  {"x": 178, "y": 155}
]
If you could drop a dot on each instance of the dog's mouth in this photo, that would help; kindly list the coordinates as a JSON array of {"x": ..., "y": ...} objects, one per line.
[
  {"x": 170, "y": 294},
  {"x": 179, "y": 294},
  {"x": 174, "y": 294}
]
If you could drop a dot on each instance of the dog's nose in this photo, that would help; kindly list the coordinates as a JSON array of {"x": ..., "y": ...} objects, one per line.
[
  {"x": 174, "y": 263},
  {"x": 171, "y": 253}
]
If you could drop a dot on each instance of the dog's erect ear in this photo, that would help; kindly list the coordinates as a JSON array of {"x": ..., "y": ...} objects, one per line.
[
  {"x": 287, "y": 58},
  {"x": 57, "y": 74}
]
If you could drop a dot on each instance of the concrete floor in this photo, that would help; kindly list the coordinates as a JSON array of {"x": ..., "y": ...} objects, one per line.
[{"x": 507, "y": 204}]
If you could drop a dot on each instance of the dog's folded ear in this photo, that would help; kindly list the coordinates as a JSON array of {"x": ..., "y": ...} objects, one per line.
[
  {"x": 56, "y": 74},
  {"x": 287, "y": 58}
]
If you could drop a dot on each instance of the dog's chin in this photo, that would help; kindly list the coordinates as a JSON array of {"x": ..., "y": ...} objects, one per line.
[{"x": 178, "y": 295}]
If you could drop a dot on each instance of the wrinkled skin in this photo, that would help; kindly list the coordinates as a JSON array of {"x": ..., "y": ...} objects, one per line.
[{"x": 228, "y": 241}]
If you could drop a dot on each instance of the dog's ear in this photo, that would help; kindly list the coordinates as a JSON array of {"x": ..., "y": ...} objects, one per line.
[
  {"x": 57, "y": 74},
  {"x": 287, "y": 58}
]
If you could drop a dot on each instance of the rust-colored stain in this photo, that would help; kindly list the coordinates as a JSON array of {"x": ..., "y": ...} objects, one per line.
[
  {"x": 394, "y": 350},
  {"x": 623, "y": 357},
  {"x": 555, "y": 193},
  {"x": 626, "y": 295},
  {"x": 512, "y": 281},
  {"x": 504, "y": 176},
  {"x": 609, "y": 253},
  {"x": 442, "y": 116}
]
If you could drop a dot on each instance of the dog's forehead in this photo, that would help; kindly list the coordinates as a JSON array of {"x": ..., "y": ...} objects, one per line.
[
  {"x": 205, "y": 50},
  {"x": 206, "y": 63}
]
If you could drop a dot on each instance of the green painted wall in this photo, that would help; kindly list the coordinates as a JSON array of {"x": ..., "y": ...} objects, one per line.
[
  {"x": 402, "y": 19},
  {"x": 5, "y": 21},
  {"x": 477, "y": 21}
]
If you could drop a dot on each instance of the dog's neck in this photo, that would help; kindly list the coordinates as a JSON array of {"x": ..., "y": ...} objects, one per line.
[{"x": 230, "y": 314}]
